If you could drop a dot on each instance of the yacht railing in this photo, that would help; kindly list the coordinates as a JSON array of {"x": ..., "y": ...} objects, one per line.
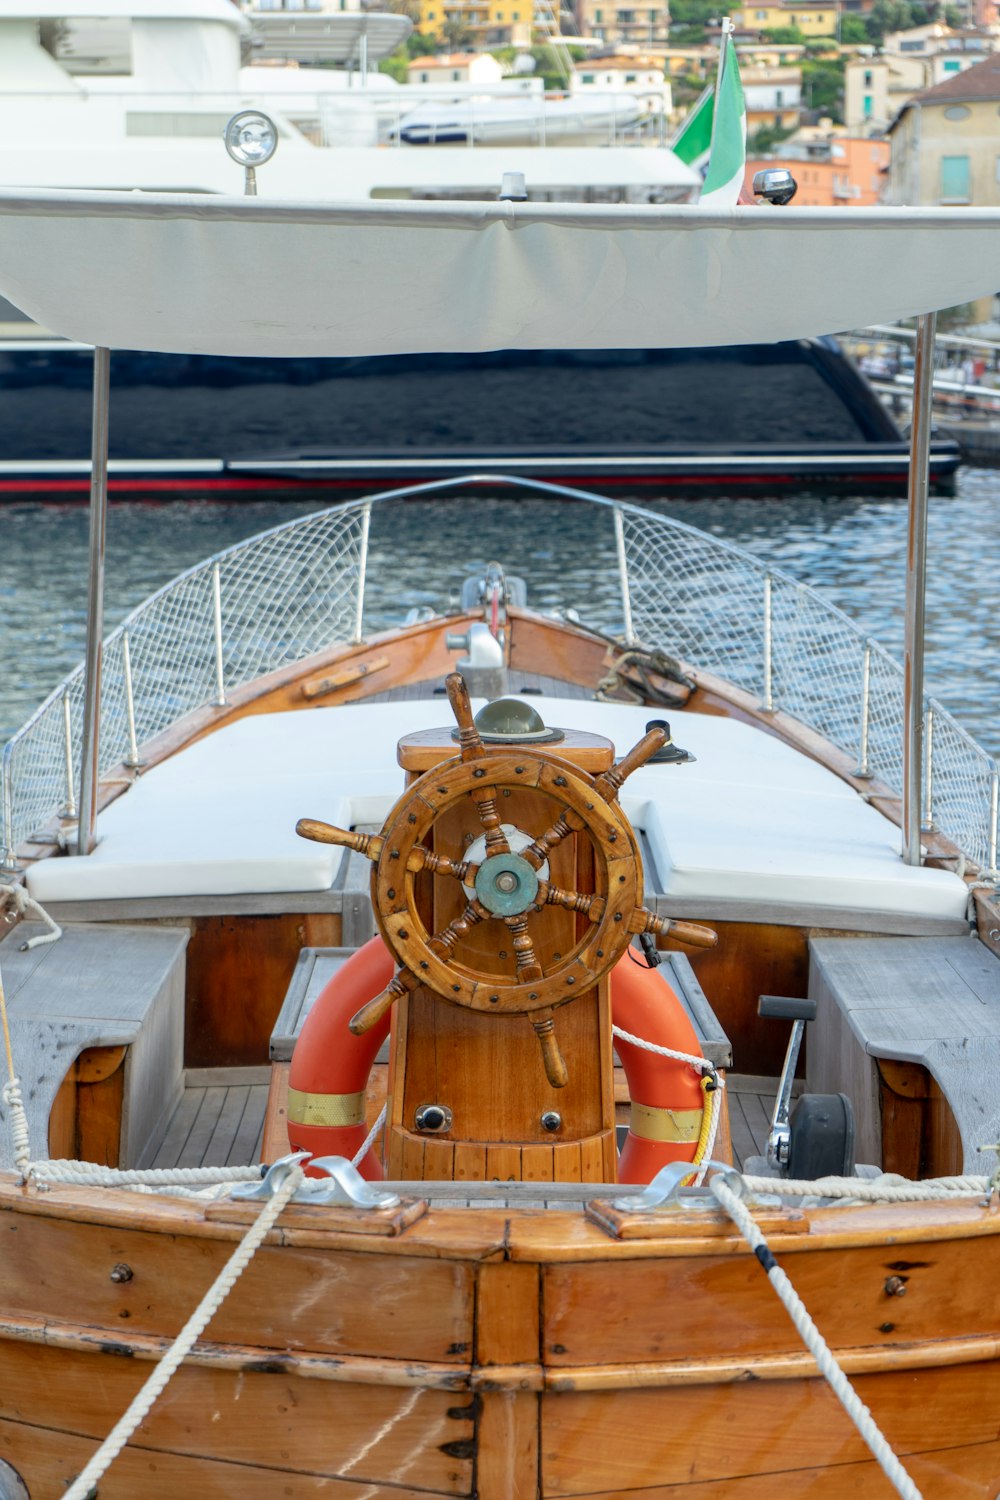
[{"x": 299, "y": 589}]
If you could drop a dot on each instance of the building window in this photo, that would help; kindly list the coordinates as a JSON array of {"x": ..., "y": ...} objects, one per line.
[
  {"x": 587, "y": 78},
  {"x": 868, "y": 78},
  {"x": 626, "y": 17},
  {"x": 866, "y": 106},
  {"x": 952, "y": 65},
  {"x": 957, "y": 112},
  {"x": 954, "y": 179}
]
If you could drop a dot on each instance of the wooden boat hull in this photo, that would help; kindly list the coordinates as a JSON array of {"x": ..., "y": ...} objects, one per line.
[{"x": 495, "y": 1351}]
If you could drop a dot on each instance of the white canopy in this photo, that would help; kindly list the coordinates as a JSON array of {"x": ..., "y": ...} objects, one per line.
[{"x": 241, "y": 276}]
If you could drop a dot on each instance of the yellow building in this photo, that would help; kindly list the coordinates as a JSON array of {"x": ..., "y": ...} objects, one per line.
[
  {"x": 818, "y": 19},
  {"x": 945, "y": 142},
  {"x": 489, "y": 21}
]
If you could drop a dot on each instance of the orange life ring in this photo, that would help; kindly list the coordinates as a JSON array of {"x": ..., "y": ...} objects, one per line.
[
  {"x": 667, "y": 1096},
  {"x": 330, "y": 1067}
]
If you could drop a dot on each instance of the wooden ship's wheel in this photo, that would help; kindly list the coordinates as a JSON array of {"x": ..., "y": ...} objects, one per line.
[{"x": 517, "y": 942}]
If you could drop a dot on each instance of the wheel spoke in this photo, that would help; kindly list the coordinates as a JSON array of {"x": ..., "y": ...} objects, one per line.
[
  {"x": 372, "y": 844},
  {"x": 552, "y": 1059},
  {"x": 694, "y": 933},
  {"x": 444, "y": 942},
  {"x": 470, "y": 743},
  {"x": 528, "y": 967},
  {"x": 608, "y": 784},
  {"x": 369, "y": 1015},
  {"x": 486, "y": 807},
  {"x": 592, "y": 907},
  {"x": 538, "y": 852}
]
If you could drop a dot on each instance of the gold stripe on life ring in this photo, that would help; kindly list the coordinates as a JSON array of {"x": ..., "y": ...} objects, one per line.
[
  {"x": 325, "y": 1109},
  {"x": 680, "y": 1126}
]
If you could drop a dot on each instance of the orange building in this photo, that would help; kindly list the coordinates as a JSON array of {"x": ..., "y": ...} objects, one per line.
[{"x": 849, "y": 172}]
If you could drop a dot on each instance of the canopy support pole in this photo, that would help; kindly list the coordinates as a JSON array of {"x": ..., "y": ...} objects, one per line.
[
  {"x": 90, "y": 752},
  {"x": 916, "y": 587}
]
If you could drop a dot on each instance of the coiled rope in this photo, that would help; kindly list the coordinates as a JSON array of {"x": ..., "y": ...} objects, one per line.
[{"x": 814, "y": 1340}]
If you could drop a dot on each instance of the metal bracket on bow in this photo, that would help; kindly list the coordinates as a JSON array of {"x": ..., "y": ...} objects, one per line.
[
  {"x": 342, "y": 1184},
  {"x": 665, "y": 1186}
]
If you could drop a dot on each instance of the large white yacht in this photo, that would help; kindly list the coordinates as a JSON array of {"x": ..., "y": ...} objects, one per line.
[{"x": 136, "y": 93}]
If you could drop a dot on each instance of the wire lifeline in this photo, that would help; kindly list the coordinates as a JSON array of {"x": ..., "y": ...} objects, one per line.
[
  {"x": 83, "y": 1485},
  {"x": 815, "y": 1342}
]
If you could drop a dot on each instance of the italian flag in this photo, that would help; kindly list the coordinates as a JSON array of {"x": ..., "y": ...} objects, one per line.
[
  {"x": 694, "y": 139},
  {"x": 727, "y": 162}
]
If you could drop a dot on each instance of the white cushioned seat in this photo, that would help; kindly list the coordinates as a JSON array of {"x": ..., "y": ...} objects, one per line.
[
  {"x": 751, "y": 819},
  {"x": 219, "y": 817}
]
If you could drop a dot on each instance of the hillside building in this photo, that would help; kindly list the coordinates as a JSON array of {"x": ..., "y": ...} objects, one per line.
[{"x": 946, "y": 141}]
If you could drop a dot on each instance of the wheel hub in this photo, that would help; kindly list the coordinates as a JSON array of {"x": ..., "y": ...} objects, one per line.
[{"x": 506, "y": 885}]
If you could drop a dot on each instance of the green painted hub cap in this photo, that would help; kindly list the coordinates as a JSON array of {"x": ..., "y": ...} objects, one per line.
[{"x": 506, "y": 885}]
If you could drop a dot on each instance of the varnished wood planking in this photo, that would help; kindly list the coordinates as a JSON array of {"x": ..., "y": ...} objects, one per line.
[
  {"x": 507, "y": 1446},
  {"x": 238, "y": 969},
  {"x": 555, "y": 649},
  {"x": 752, "y": 959},
  {"x": 86, "y": 1118},
  {"x": 507, "y": 1312},
  {"x": 305, "y": 1300},
  {"x": 257, "y": 1417},
  {"x": 628, "y": 1313},
  {"x": 632, "y": 1441},
  {"x": 49, "y": 1461},
  {"x": 945, "y": 1474}
]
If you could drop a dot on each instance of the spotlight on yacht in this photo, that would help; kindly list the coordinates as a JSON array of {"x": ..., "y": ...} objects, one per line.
[
  {"x": 775, "y": 185},
  {"x": 251, "y": 139}
]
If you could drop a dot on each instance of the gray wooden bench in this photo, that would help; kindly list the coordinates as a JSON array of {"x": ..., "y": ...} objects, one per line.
[
  {"x": 100, "y": 985},
  {"x": 316, "y": 966},
  {"x": 930, "y": 1001}
]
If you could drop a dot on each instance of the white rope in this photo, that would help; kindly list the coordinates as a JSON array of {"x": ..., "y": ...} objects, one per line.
[
  {"x": 20, "y": 1141},
  {"x": 815, "y": 1343},
  {"x": 363, "y": 1149},
  {"x": 23, "y": 905},
  {"x": 83, "y": 1485},
  {"x": 696, "y": 1060},
  {"x": 89, "y": 1174},
  {"x": 886, "y": 1189}
]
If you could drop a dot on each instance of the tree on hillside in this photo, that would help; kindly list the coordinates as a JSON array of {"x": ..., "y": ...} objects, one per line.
[
  {"x": 854, "y": 30},
  {"x": 457, "y": 35},
  {"x": 766, "y": 138},
  {"x": 785, "y": 34},
  {"x": 823, "y": 86}
]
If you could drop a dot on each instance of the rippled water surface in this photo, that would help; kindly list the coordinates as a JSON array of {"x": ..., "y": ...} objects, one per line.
[{"x": 853, "y": 550}]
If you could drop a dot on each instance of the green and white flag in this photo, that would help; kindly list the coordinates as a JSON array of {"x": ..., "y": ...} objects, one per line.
[
  {"x": 694, "y": 139},
  {"x": 727, "y": 163}
]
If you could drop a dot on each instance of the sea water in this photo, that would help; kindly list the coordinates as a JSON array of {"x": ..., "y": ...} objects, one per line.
[{"x": 852, "y": 549}]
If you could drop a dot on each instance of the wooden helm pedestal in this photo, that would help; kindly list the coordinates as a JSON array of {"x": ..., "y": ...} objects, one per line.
[
  {"x": 507, "y": 1121},
  {"x": 507, "y": 883}
]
